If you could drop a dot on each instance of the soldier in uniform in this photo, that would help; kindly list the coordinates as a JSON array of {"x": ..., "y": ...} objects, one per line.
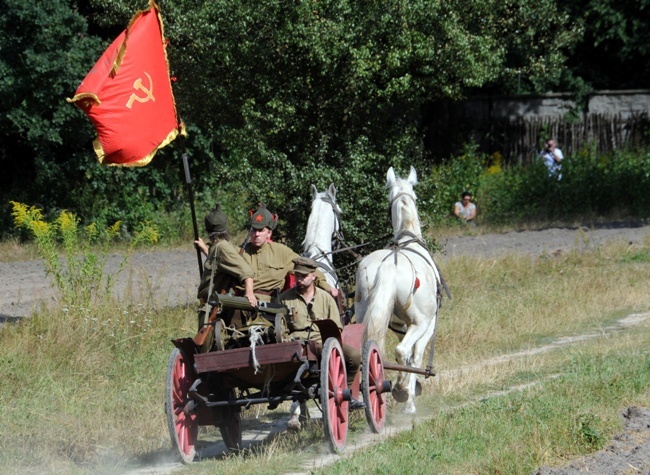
[
  {"x": 271, "y": 261},
  {"x": 224, "y": 265},
  {"x": 308, "y": 303}
]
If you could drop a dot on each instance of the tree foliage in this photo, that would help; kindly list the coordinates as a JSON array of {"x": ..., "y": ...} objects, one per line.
[
  {"x": 43, "y": 51},
  {"x": 614, "y": 52},
  {"x": 277, "y": 95}
]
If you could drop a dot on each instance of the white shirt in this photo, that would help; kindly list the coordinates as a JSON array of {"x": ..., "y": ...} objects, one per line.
[{"x": 549, "y": 160}]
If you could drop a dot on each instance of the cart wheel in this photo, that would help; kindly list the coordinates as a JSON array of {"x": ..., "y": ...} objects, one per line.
[
  {"x": 230, "y": 425},
  {"x": 333, "y": 386},
  {"x": 183, "y": 428},
  {"x": 219, "y": 335},
  {"x": 281, "y": 330},
  {"x": 372, "y": 382}
]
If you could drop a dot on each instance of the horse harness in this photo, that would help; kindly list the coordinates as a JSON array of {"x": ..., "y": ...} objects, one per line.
[{"x": 398, "y": 246}]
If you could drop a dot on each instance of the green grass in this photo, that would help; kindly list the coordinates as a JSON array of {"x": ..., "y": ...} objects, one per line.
[
  {"x": 85, "y": 386},
  {"x": 82, "y": 390},
  {"x": 562, "y": 417}
]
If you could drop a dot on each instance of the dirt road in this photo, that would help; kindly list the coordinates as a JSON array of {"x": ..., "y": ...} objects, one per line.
[{"x": 172, "y": 276}]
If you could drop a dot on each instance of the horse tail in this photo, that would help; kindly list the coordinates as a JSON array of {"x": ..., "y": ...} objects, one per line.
[{"x": 381, "y": 302}]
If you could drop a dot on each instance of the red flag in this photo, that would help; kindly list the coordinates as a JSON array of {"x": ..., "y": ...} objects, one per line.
[{"x": 128, "y": 97}]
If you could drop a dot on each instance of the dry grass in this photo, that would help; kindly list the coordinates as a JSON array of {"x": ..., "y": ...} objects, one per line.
[
  {"x": 514, "y": 302},
  {"x": 14, "y": 251}
]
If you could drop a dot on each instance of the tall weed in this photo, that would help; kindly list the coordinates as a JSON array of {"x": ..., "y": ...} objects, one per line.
[{"x": 81, "y": 278}]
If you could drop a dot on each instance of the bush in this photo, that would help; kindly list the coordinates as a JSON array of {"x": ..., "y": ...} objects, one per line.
[{"x": 592, "y": 186}]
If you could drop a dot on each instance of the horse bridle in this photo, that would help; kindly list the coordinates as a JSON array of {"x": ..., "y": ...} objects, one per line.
[
  {"x": 337, "y": 237},
  {"x": 399, "y": 195},
  {"x": 337, "y": 234}
]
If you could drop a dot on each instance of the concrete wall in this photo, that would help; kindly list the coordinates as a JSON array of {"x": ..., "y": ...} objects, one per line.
[
  {"x": 624, "y": 103},
  {"x": 515, "y": 125}
]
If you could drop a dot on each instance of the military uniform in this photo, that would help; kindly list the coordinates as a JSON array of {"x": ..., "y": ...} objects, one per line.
[
  {"x": 271, "y": 263},
  {"x": 224, "y": 261},
  {"x": 321, "y": 307},
  {"x": 229, "y": 269}
]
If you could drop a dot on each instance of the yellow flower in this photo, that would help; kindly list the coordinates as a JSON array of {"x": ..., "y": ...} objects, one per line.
[
  {"x": 40, "y": 229},
  {"x": 91, "y": 231},
  {"x": 67, "y": 222},
  {"x": 114, "y": 230},
  {"x": 24, "y": 215}
]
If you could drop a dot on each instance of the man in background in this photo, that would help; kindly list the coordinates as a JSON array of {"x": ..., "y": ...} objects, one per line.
[{"x": 552, "y": 158}]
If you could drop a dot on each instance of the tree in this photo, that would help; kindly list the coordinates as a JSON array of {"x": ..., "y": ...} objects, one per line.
[
  {"x": 615, "y": 50},
  {"x": 285, "y": 94},
  {"x": 43, "y": 51}
]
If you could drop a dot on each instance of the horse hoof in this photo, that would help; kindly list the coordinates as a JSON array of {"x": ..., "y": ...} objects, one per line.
[
  {"x": 418, "y": 388},
  {"x": 293, "y": 426},
  {"x": 400, "y": 394},
  {"x": 409, "y": 408}
]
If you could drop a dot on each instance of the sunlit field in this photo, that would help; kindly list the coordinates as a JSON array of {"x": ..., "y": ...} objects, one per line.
[{"x": 83, "y": 388}]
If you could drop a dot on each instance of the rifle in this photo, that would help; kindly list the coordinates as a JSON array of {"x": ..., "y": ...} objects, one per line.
[
  {"x": 220, "y": 301},
  {"x": 206, "y": 330},
  {"x": 243, "y": 244}
]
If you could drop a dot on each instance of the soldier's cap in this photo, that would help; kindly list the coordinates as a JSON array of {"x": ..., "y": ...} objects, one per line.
[
  {"x": 216, "y": 220},
  {"x": 304, "y": 265},
  {"x": 262, "y": 218}
]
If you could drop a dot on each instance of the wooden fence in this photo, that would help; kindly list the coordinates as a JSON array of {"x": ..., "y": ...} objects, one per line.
[{"x": 520, "y": 139}]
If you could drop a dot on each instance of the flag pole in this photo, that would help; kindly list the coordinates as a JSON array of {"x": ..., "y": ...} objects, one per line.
[{"x": 190, "y": 192}]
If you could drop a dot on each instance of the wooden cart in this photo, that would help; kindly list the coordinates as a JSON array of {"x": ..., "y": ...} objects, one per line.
[{"x": 210, "y": 388}]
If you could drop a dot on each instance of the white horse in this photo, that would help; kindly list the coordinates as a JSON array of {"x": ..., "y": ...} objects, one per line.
[
  {"x": 323, "y": 226},
  {"x": 401, "y": 283}
]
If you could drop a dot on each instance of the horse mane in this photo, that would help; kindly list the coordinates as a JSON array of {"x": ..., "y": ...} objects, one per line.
[{"x": 313, "y": 225}]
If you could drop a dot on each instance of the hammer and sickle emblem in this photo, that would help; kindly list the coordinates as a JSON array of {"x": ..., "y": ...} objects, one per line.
[{"x": 137, "y": 85}]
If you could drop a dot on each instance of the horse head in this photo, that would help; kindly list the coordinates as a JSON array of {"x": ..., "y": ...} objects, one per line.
[
  {"x": 404, "y": 212},
  {"x": 328, "y": 196},
  {"x": 324, "y": 223}
]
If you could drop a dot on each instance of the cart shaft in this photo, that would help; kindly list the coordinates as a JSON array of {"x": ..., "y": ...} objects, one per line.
[{"x": 409, "y": 369}]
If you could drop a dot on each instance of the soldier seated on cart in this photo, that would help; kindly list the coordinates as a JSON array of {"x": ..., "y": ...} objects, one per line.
[
  {"x": 307, "y": 303},
  {"x": 224, "y": 267},
  {"x": 271, "y": 261}
]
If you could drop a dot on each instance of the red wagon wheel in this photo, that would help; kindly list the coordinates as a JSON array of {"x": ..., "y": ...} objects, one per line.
[
  {"x": 372, "y": 386},
  {"x": 183, "y": 428},
  {"x": 333, "y": 387},
  {"x": 230, "y": 425}
]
